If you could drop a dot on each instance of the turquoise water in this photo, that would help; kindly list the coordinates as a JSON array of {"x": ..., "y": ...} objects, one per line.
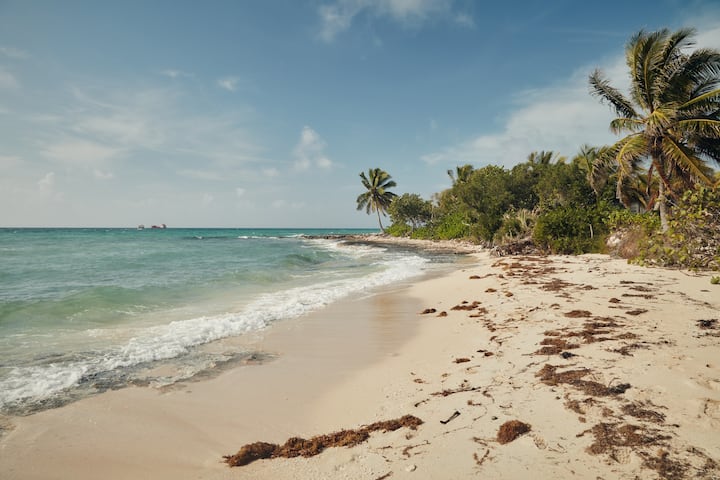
[{"x": 84, "y": 310}]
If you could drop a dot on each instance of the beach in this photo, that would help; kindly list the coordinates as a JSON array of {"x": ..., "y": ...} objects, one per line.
[{"x": 603, "y": 369}]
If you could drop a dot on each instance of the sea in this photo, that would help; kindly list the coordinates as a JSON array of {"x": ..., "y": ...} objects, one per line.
[{"x": 86, "y": 310}]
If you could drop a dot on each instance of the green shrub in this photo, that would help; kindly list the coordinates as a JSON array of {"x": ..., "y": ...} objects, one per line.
[
  {"x": 451, "y": 226},
  {"x": 398, "y": 230},
  {"x": 693, "y": 237},
  {"x": 570, "y": 230}
]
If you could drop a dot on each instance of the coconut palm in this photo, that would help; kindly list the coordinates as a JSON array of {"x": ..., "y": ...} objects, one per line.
[
  {"x": 461, "y": 174},
  {"x": 377, "y": 198},
  {"x": 672, "y": 117},
  {"x": 597, "y": 171}
]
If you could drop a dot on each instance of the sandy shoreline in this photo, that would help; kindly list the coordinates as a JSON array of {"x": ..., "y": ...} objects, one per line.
[{"x": 616, "y": 369}]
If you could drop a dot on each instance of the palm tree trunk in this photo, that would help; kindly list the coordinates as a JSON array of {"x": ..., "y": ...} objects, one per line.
[
  {"x": 662, "y": 206},
  {"x": 662, "y": 199},
  {"x": 381, "y": 227}
]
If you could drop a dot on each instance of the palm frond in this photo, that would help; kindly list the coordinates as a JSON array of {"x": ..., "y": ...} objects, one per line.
[
  {"x": 600, "y": 87},
  {"x": 685, "y": 159},
  {"x": 620, "y": 125}
]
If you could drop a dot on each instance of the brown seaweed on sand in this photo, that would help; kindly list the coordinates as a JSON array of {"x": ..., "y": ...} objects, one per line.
[
  {"x": 511, "y": 430},
  {"x": 300, "y": 447},
  {"x": 550, "y": 376}
]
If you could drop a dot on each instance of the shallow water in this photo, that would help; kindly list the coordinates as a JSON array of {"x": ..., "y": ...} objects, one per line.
[{"x": 85, "y": 310}]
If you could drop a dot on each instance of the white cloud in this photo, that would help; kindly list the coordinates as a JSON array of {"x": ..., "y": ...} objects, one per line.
[
  {"x": 338, "y": 16},
  {"x": 207, "y": 199},
  {"x": 134, "y": 123},
  {"x": 47, "y": 182},
  {"x": 80, "y": 152},
  {"x": 271, "y": 172},
  {"x": 228, "y": 83},
  {"x": 101, "y": 175},
  {"x": 239, "y": 191},
  {"x": 175, "y": 73},
  {"x": 7, "y": 79},
  {"x": 13, "y": 52},
  {"x": 310, "y": 150}
]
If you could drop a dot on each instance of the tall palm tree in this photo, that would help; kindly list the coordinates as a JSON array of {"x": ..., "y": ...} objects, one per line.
[
  {"x": 377, "y": 197},
  {"x": 673, "y": 115}
]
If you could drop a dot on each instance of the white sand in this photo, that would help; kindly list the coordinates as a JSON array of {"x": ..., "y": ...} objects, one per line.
[{"x": 396, "y": 360}]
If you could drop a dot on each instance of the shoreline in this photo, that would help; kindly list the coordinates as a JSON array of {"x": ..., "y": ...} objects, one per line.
[{"x": 613, "y": 366}]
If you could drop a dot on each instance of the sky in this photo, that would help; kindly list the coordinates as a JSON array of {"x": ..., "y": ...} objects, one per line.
[{"x": 262, "y": 113}]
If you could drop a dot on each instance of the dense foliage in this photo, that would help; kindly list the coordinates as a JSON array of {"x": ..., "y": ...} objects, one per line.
[{"x": 693, "y": 235}]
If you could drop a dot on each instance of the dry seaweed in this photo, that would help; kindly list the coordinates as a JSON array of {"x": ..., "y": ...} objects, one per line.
[
  {"x": 636, "y": 312},
  {"x": 461, "y": 360},
  {"x": 550, "y": 376},
  {"x": 665, "y": 466},
  {"x": 578, "y": 314},
  {"x": 636, "y": 410},
  {"x": 609, "y": 436},
  {"x": 511, "y": 430},
  {"x": 428, "y": 310},
  {"x": 466, "y": 306},
  {"x": 555, "y": 285},
  {"x": 296, "y": 447},
  {"x": 554, "y": 345}
]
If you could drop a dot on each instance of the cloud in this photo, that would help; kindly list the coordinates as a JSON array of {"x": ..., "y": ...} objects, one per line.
[
  {"x": 228, "y": 83},
  {"x": 111, "y": 124},
  {"x": 47, "y": 183},
  {"x": 175, "y": 73},
  {"x": 239, "y": 191},
  {"x": 80, "y": 152},
  {"x": 7, "y": 79},
  {"x": 338, "y": 16},
  {"x": 99, "y": 174},
  {"x": 13, "y": 52},
  {"x": 207, "y": 199},
  {"x": 310, "y": 150}
]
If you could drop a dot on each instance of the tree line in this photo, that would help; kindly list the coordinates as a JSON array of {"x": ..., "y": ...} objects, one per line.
[{"x": 660, "y": 171}]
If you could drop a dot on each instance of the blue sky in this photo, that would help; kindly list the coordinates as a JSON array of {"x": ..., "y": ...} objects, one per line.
[{"x": 262, "y": 113}]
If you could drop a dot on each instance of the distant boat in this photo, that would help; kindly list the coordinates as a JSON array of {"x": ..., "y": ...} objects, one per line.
[
  {"x": 162, "y": 225},
  {"x": 141, "y": 227}
]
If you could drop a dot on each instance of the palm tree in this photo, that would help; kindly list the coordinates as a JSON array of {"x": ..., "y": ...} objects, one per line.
[
  {"x": 672, "y": 116},
  {"x": 377, "y": 197},
  {"x": 591, "y": 161},
  {"x": 461, "y": 174}
]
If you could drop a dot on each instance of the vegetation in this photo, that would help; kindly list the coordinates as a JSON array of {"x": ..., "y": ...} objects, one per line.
[
  {"x": 377, "y": 197},
  {"x": 672, "y": 115},
  {"x": 652, "y": 196}
]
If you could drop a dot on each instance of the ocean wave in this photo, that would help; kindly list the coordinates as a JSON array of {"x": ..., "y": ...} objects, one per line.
[{"x": 28, "y": 385}]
